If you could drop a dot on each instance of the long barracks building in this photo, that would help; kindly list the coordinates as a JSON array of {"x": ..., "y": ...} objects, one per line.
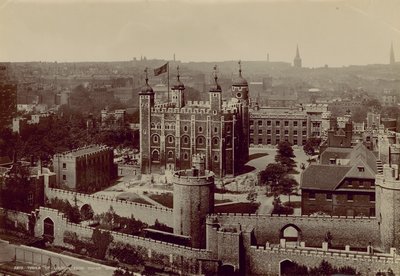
[{"x": 171, "y": 133}]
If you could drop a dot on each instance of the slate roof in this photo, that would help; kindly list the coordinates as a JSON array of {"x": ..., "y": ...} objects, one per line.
[{"x": 328, "y": 177}]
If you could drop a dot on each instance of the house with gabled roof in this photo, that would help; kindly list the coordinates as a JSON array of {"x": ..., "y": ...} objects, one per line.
[{"x": 342, "y": 184}]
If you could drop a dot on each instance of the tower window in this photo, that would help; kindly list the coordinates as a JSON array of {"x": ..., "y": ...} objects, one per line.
[
  {"x": 200, "y": 129},
  {"x": 170, "y": 139},
  {"x": 170, "y": 155},
  {"x": 277, "y": 123},
  {"x": 268, "y": 123},
  {"x": 215, "y": 129},
  {"x": 286, "y": 123},
  {"x": 215, "y": 141},
  {"x": 64, "y": 166},
  {"x": 200, "y": 141},
  {"x": 155, "y": 156},
  {"x": 215, "y": 157},
  {"x": 260, "y": 131},
  {"x": 64, "y": 177},
  {"x": 295, "y": 123},
  {"x": 155, "y": 138},
  {"x": 185, "y": 156},
  {"x": 260, "y": 123},
  {"x": 185, "y": 128}
]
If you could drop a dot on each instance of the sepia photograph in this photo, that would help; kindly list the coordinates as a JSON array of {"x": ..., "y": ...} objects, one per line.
[{"x": 199, "y": 137}]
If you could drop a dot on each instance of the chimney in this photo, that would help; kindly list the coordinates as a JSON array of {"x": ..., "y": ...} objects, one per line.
[{"x": 198, "y": 164}]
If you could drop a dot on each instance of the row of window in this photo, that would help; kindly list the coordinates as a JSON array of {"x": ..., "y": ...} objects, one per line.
[
  {"x": 186, "y": 140},
  {"x": 277, "y": 141},
  {"x": 186, "y": 128},
  {"x": 278, "y": 123},
  {"x": 328, "y": 196},
  {"x": 278, "y": 132},
  {"x": 155, "y": 156}
]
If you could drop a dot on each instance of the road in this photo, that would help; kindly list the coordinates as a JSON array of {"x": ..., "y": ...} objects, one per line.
[{"x": 38, "y": 260}]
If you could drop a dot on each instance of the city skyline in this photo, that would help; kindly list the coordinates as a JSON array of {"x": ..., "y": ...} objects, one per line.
[{"x": 336, "y": 33}]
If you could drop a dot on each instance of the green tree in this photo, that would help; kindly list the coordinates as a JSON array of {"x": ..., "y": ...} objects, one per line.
[
  {"x": 272, "y": 173},
  {"x": 285, "y": 155},
  {"x": 101, "y": 240},
  {"x": 311, "y": 145},
  {"x": 17, "y": 183},
  {"x": 288, "y": 186}
]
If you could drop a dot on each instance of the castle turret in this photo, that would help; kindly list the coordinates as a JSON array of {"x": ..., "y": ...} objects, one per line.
[
  {"x": 388, "y": 206},
  {"x": 193, "y": 201},
  {"x": 240, "y": 90},
  {"x": 146, "y": 100},
  {"x": 297, "y": 58},
  {"x": 215, "y": 94},
  {"x": 178, "y": 96}
]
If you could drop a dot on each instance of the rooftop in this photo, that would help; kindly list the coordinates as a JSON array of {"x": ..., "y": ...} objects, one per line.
[{"x": 84, "y": 151}]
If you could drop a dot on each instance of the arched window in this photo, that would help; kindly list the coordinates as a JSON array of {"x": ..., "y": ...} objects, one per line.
[
  {"x": 170, "y": 139},
  {"x": 153, "y": 125},
  {"x": 215, "y": 157},
  {"x": 185, "y": 140},
  {"x": 185, "y": 128},
  {"x": 200, "y": 140},
  {"x": 215, "y": 129},
  {"x": 200, "y": 129},
  {"x": 215, "y": 141},
  {"x": 170, "y": 155},
  {"x": 155, "y": 156},
  {"x": 156, "y": 139},
  {"x": 185, "y": 156}
]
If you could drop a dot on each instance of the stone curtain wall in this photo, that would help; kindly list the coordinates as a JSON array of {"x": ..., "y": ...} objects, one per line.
[
  {"x": 266, "y": 261},
  {"x": 171, "y": 252},
  {"x": 19, "y": 220},
  {"x": 100, "y": 204},
  {"x": 356, "y": 232}
]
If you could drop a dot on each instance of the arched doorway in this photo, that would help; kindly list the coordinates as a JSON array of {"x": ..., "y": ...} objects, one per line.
[
  {"x": 48, "y": 229},
  {"x": 226, "y": 270},
  {"x": 287, "y": 268},
  {"x": 292, "y": 234}
]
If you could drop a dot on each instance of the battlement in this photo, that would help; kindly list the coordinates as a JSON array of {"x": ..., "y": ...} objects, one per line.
[
  {"x": 189, "y": 177},
  {"x": 86, "y": 151},
  {"x": 348, "y": 254},
  {"x": 183, "y": 110},
  {"x": 53, "y": 192},
  {"x": 204, "y": 104},
  {"x": 215, "y": 216}
]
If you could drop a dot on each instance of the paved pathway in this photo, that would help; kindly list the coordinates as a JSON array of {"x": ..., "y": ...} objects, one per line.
[{"x": 38, "y": 259}]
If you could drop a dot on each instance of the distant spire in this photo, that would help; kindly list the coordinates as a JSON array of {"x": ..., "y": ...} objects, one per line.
[
  {"x": 392, "y": 58},
  {"x": 297, "y": 58},
  {"x": 177, "y": 76},
  {"x": 240, "y": 68}
]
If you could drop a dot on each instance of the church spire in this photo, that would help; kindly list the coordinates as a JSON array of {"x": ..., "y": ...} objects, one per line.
[
  {"x": 392, "y": 58},
  {"x": 297, "y": 58}
]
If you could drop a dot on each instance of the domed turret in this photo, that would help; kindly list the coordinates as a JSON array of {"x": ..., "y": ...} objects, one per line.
[
  {"x": 178, "y": 85},
  {"x": 240, "y": 81}
]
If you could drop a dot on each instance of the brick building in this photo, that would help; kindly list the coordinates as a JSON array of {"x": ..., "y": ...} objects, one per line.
[
  {"x": 171, "y": 133},
  {"x": 342, "y": 184},
  {"x": 271, "y": 125},
  {"x": 85, "y": 169}
]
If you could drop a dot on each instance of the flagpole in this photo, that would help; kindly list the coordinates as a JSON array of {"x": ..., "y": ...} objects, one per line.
[{"x": 168, "y": 82}]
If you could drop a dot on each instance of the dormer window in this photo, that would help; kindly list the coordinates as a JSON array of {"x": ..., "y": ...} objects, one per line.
[
  {"x": 332, "y": 161},
  {"x": 361, "y": 169}
]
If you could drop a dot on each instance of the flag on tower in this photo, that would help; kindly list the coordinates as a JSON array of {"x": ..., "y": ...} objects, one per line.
[{"x": 161, "y": 70}]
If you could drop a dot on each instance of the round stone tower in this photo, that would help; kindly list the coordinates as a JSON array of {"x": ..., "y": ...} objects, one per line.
[
  {"x": 388, "y": 206},
  {"x": 193, "y": 201}
]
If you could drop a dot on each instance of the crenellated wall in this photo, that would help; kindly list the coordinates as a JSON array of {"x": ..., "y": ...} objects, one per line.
[
  {"x": 266, "y": 260},
  {"x": 354, "y": 231},
  {"x": 123, "y": 208},
  {"x": 169, "y": 250}
]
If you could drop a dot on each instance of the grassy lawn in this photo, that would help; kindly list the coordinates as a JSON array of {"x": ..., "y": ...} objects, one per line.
[
  {"x": 128, "y": 196},
  {"x": 165, "y": 199},
  {"x": 240, "y": 207}
]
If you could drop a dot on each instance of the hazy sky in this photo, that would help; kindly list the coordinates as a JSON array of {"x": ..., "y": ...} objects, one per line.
[{"x": 328, "y": 32}]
